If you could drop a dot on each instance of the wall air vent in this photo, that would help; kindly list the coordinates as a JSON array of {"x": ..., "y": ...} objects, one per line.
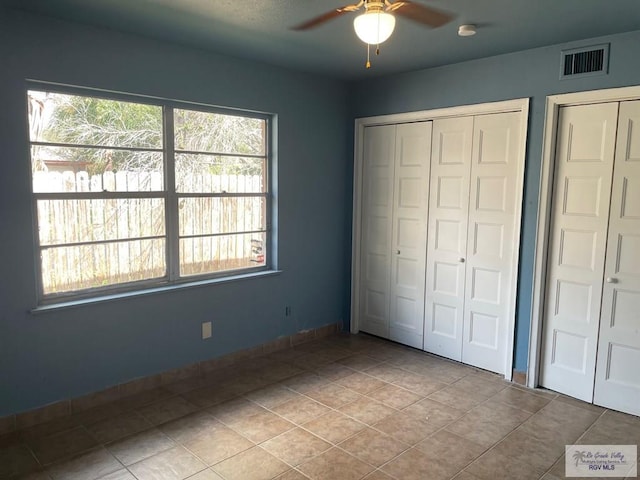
[{"x": 586, "y": 61}]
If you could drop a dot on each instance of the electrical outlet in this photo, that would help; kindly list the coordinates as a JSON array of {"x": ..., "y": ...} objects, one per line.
[{"x": 206, "y": 330}]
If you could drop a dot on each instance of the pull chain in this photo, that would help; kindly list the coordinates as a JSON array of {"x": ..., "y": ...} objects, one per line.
[{"x": 368, "y": 64}]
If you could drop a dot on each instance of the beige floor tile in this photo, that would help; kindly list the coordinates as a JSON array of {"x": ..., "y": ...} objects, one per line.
[
  {"x": 55, "y": 447},
  {"x": 261, "y": 426},
  {"x": 96, "y": 414},
  {"x": 434, "y": 412},
  {"x": 292, "y": 475},
  {"x": 333, "y": 395},
  {"x": 16, "y": 459},
  {"x": 334, "y": 427},
  {"x": 495, "y": 466},
  {"x": 39, "y": 475},
  {"x": 122, "y": 474},
  {"x": 488, "y": 424},
  {"x": 207, "y": 474},
  {"x": 167, "y": 410},
  {"x": 385, "y": 372},
  {"x": 418, "y": 384},
  {"x": 367, "y": 410},
  {"x": 174, "y": 464},
  {"x": 614, "y": 428},
  {"x": 359, "y": 362},
  {"x": 459, "y": 397},
  {"x": 526, "y": 429},
  {"x": 567, "y": 421},
  {"x": 394, "y": 396},
  {"x": 306, "y": 381},
  {"x": 280, "y": 371},
  {"x": 579, "y": 403},
  {"x": 210, "y": 395},
  {"x": 217, "y": 444},
  {"x": 235, "y": 410},
  {"x": 49, "y": 428},
  {"x": 334, "y": 371},
  {"x": 414, "y": 465},
  {"x": 186, "y": 428},
  {"x": 361, "y": 382},
  {"x": 373, "y": 447},
  {"x": 118, "y": 427},
  {"x": 311, "y": 361},
  {"x": 540, "y": 450},
  {"x": 378, "y": 475},
  {"x": 272, "y": 395},
  {"x": 335, "y": 464},
  {"x": 521, "y": 399},
  {"x": 300, "y": 409},
  {"x": 456, "y": 451},
  {"x": 464, "y": 476},
  {"x": 140, "y": 446},
  {"x": 296, "y": 446},
  {"x": 548, "y": 476},
  {"x": 444, "y": 372},
  {"x": 252, "y": 464},
  {"x": 141, "y": 399},
  {"x": 186, "y": 385},
  {"x": 406, "y": 428},
  {"x": 88, "y": 466}
]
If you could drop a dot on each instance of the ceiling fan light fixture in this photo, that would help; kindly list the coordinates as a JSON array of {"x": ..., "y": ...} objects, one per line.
[
  {"x": 374, "y": 27},
  {"x": 466, "y": 30}
]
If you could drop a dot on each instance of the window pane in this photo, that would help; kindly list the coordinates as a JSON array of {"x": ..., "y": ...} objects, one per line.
[
  {"x": 221, "y": 253},
  {"x": 72, "y": 169},
  {"x": 66, "y": 269},
  {"x": 218, "y": 174},
  {"x": 205, "y": 216},
  {"x": 61, "y": 118},
  {"x": 76, "y": 221},
  {"x": 218, "y": 133}
]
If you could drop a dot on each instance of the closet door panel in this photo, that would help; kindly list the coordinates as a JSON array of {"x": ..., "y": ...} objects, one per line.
[
  {"x": 447, "y": 243},
  {"x": 490, "y": 247},
  {"x": 617, "y": 383},
  {"x": 579, "y": 218},
  {"x": 409, "y": 235},
  {"x": 375, "y": 245}
]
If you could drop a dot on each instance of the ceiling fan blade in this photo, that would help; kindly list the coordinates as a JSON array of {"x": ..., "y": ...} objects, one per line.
[
  {"x": 314, "y": 22},
  {"x": 419, "y": 13}
]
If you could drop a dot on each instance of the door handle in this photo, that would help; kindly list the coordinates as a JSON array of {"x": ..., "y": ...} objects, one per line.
[
  {"x": 612, "y": 280},
  {"x": 461, "y": 259},
  {"x": 398, "y": 252}
]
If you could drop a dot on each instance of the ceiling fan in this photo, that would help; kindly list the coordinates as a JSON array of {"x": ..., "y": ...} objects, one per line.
[{"x": 376, "y": 24}]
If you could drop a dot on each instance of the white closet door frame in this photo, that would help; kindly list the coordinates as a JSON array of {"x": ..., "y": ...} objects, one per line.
[
  {"x": 518, "y": 105},
  {"x": 554, "y": 102}
]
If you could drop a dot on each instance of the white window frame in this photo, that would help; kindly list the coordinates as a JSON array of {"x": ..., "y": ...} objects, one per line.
[{"x": 168, "y": 195}]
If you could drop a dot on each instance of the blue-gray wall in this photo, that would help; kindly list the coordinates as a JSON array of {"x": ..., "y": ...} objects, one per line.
[
  {"x": 66, "y": 353},
  {"x": 531, "y": 73}
]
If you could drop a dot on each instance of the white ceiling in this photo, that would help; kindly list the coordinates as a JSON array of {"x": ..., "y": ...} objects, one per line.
[{"x": 260, "y": 30}]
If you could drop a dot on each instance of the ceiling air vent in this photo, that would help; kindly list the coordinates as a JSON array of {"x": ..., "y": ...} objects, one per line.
[{"x": 586, "y": 61}]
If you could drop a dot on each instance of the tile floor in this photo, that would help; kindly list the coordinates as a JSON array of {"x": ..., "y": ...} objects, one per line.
[{"x": 343, "y": 408}]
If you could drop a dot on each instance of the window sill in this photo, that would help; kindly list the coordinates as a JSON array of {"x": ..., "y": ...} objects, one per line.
[{"x": 150, "y": 291}]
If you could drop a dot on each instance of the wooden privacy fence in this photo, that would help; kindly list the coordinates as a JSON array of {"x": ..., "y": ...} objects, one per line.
[{"x": 93, "y": 242}]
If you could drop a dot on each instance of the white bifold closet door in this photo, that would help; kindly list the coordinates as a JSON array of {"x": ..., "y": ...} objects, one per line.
[
  {"x": 591, "y": 339},
  {"x": 377, "y": 211},
  {"x": 447, "y": 245},
  {"x": 617, "y": 383},
  {"x": 472, "y": 216},
  {"x": 394, "y": 231}
]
